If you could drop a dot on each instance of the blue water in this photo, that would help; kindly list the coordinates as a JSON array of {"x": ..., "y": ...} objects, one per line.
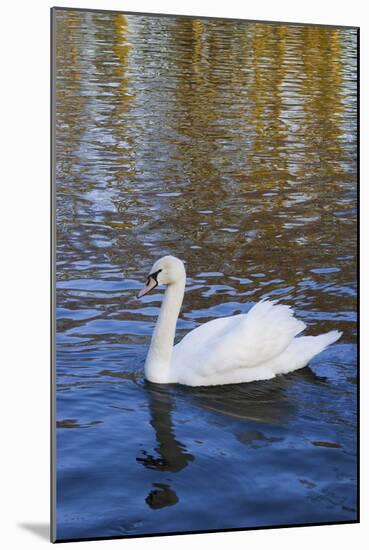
[{"x": 231, "y": 145}]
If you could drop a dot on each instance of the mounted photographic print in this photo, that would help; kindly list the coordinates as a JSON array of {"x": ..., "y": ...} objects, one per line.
[{"x": 204, "y": 183}]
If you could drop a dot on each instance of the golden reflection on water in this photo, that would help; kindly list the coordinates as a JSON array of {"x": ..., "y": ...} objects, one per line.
[{"x": 230, "y": 144}]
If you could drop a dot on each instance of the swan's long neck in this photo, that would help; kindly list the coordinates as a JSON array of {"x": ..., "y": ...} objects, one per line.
[{"x": 158, "y": 359}]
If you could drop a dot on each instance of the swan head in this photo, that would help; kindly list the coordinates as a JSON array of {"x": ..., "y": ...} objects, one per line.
[{"x": 165, "y": 271}]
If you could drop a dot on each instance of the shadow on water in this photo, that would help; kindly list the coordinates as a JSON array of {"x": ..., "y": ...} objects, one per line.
[
  {"x": 265, "y": 401},
  {"x": 261, "y": 402}
]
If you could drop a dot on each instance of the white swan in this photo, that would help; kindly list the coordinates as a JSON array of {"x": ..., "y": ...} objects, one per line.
[{"x": 257, "y": 345}]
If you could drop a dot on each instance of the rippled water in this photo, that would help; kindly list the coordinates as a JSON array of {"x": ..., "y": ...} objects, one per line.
[{"x": 233, "y": 146}]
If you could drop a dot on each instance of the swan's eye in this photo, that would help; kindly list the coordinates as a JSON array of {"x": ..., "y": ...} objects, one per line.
[{"x": 154, "y": 276}]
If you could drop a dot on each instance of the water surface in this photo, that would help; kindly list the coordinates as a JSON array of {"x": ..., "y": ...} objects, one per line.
[{"x": 233, "y": 146}]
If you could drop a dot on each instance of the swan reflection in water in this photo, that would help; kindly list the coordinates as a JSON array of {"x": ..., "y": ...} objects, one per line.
[
  {"x": 267, "y": 402},
  {"x": 172, "y": 455}
]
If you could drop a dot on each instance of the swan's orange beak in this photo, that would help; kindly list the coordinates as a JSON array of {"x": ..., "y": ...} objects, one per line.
[{"x": 150, "y": 285}]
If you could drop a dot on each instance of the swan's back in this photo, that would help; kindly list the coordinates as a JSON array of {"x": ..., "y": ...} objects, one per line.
[{"x": 240, "y": 348}]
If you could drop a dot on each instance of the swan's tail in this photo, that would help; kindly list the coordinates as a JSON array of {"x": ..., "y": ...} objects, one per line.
[
  {"x": 302, "y": 349},
  {"x": 325, "y": 340},
  {"x": 312, "y": 345}
]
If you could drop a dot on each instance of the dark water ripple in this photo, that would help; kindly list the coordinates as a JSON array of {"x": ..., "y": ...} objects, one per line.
[{"x": 231, "y": 145}]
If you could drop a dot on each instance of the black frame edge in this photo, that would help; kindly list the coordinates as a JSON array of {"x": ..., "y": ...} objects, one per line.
[
  {"x": 52, "y": 285},
  {"x": 210, "y": 531},
  {"x": 358, "y": 508}
]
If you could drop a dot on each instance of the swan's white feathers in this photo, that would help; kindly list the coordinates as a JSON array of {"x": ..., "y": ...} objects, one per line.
[{"x": 241, "y": 341}]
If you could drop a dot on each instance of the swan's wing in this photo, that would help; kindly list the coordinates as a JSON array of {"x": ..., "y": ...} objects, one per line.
[
  {"x": 213, "y": 330},
  {"x": 195, "y": 349},
  {"x": 239, "y": 341},
  {"x": 266, "y": 331}
]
